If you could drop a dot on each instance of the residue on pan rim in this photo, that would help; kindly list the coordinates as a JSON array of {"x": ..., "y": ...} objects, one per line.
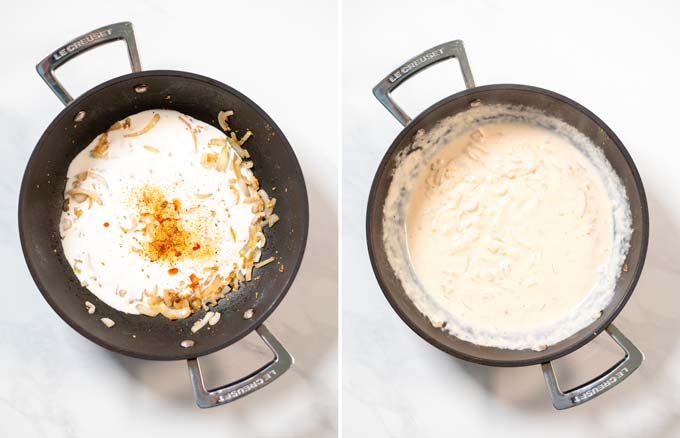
[{"x": 420, "y": 153}]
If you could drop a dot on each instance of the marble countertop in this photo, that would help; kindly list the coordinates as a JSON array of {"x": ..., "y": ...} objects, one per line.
[
  {"x": 616, "y": 59},
  {"x": 55, "y": 383}
]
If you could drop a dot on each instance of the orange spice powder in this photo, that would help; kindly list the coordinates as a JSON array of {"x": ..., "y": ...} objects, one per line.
[{"x": 168, "y": 237}]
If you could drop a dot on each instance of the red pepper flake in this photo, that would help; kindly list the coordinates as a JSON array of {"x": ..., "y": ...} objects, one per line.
[
  {"x": 173, "y": 271},
  {"x": 194, "y": 280},
  {"x": 196, "y": 247},
  {"x": 106, "y": 224}
]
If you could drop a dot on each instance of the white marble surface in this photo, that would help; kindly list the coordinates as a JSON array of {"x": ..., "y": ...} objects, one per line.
[
  {"x": 53, "y": 382},
  {"x": 616, "y": 58}
]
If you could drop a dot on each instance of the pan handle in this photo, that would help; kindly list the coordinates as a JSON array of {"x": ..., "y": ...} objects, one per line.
[
  {"x": 77, "y": 46},
  {"x": 599, "y": 385},
  {"x": 233, "y": 391},
  {"x": 452, "y": 49}
]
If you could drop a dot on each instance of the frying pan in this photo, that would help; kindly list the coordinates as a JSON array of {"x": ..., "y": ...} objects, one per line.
[
  {"x": 41, "y": 199},
  {"x": 561, "y": 108}
]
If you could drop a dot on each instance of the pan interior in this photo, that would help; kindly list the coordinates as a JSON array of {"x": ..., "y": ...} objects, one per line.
[
  {"x": 41, "y": 198},
  {"x": 554, "y": 106}
]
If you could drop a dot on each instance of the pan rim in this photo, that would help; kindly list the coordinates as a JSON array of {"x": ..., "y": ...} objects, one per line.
[
  {"x": 599, "y": 325},
  {"x": 260, "y": 317}
]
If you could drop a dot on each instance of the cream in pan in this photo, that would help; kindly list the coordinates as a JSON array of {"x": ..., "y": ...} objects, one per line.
[
  {"x": 163, "y": 215},
  {"x": 514, "y": 230}
]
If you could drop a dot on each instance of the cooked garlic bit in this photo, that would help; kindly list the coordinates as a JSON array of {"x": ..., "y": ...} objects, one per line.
[
  {"x": 90, "y": 307},
  {"x": 199, "y": 324},
  {"x": 183, "y": 226},
  {"x": 108, "y": 322},
  {"x": 215, "y": 318}
]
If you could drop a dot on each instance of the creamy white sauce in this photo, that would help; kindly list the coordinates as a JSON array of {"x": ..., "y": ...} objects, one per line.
[
  {"x": 506, "y": 227},
  {"x": 96, "y": 243}
]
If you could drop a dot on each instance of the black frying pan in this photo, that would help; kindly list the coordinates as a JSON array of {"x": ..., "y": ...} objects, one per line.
[
  {"x": 552, "y": 104},
  {"x": 41, "y": 200}
]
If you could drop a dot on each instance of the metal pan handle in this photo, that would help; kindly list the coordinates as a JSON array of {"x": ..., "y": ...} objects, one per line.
[
  {"x": 599, "y": 385},
  {"x": 77, "y": 46},
  {"x": 452, "y": 49},
  {"x": 242, "y": 387}
]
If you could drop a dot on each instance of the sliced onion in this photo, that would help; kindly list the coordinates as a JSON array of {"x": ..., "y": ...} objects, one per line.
[
  {"x": 156, "y": 117},
  {"x": 174, "y": 313},
  {"x": 191, "y": 130},
  {"x": 213, "y": 287},
  {"x": 264, "y": 196},
  {"x": 233, "y": 142},
  {"x": 84, "y": 192},
  {"x": 125, "y": 124},
  {"x": 98, "y": 177},
  {"x": 222, "y": 160},
  {"x": 245, "y": 137},
  {"x": 101, "y": 150},
  {"x": 223, "y": 118},
  {"x": 236, "y": 193},
  {"x": 265, "y": 262},
  {"x": 144, "y": 310},
  {"x": 242, "y": 186}
]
